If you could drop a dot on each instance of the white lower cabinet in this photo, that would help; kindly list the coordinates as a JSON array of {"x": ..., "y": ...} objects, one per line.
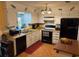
[
  {"x": 55, "y": 36},
  {"x": 32, "y": 38}
]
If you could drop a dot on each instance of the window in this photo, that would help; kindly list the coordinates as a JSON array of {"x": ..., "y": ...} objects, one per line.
[{"x": 24, "y": 18}]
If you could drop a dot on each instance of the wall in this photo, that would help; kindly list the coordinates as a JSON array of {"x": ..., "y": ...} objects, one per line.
[
  {"x": 11, "y": 12},
  {"x": 3, "y": 17},
  {"x": 65, "y": 12}
]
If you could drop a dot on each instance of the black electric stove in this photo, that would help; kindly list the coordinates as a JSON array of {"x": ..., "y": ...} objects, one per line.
[{"x": 47, "y": 36}]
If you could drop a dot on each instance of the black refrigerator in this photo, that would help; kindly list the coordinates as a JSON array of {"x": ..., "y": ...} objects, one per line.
[{"x": 69, "y": 28}]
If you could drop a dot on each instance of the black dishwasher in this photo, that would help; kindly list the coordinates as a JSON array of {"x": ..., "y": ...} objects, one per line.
[
  {"x": 20, "y": 44},
  {"x": 47, "y": 36}
]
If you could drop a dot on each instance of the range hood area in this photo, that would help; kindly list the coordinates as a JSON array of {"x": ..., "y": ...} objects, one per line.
[{"x": 48, "y": 19}]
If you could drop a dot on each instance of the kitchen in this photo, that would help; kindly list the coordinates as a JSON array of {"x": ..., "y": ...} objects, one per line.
[{"x": 42, "y": 18}]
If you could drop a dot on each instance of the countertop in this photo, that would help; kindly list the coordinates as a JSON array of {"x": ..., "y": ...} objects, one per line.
[{"x": 12, "y": 38}]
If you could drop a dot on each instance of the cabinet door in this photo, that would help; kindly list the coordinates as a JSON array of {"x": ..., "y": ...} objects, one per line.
[
  {"x": 28, "y": 40},
  {"x": 20, "y": 44},
  {"x": 38, "y": 35},
  {"x": 33, "y": 37}
]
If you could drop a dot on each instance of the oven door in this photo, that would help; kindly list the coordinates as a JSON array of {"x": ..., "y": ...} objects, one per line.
[{"x": 47, "y": 36}]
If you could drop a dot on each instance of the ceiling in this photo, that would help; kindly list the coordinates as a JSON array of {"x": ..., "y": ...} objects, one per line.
[
  {"x": 54, "y": 5},
  {"x": 50, "y": 3}
]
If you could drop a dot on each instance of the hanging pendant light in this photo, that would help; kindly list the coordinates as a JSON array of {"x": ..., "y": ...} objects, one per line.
[
  {"x": 42, "y": 11},
  {"x": 46, "y": 10},
  {"x": 49, "y": 11}
]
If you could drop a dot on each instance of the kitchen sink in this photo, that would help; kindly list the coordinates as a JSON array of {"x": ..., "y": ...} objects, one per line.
[{"x": 27, "y": 31}]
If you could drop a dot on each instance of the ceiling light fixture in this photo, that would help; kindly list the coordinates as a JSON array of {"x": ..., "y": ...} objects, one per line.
[{"x": 46, "y": 10}]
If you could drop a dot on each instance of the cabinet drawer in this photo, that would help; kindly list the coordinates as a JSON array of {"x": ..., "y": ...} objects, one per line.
[{"x": 55, "y": 38}]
